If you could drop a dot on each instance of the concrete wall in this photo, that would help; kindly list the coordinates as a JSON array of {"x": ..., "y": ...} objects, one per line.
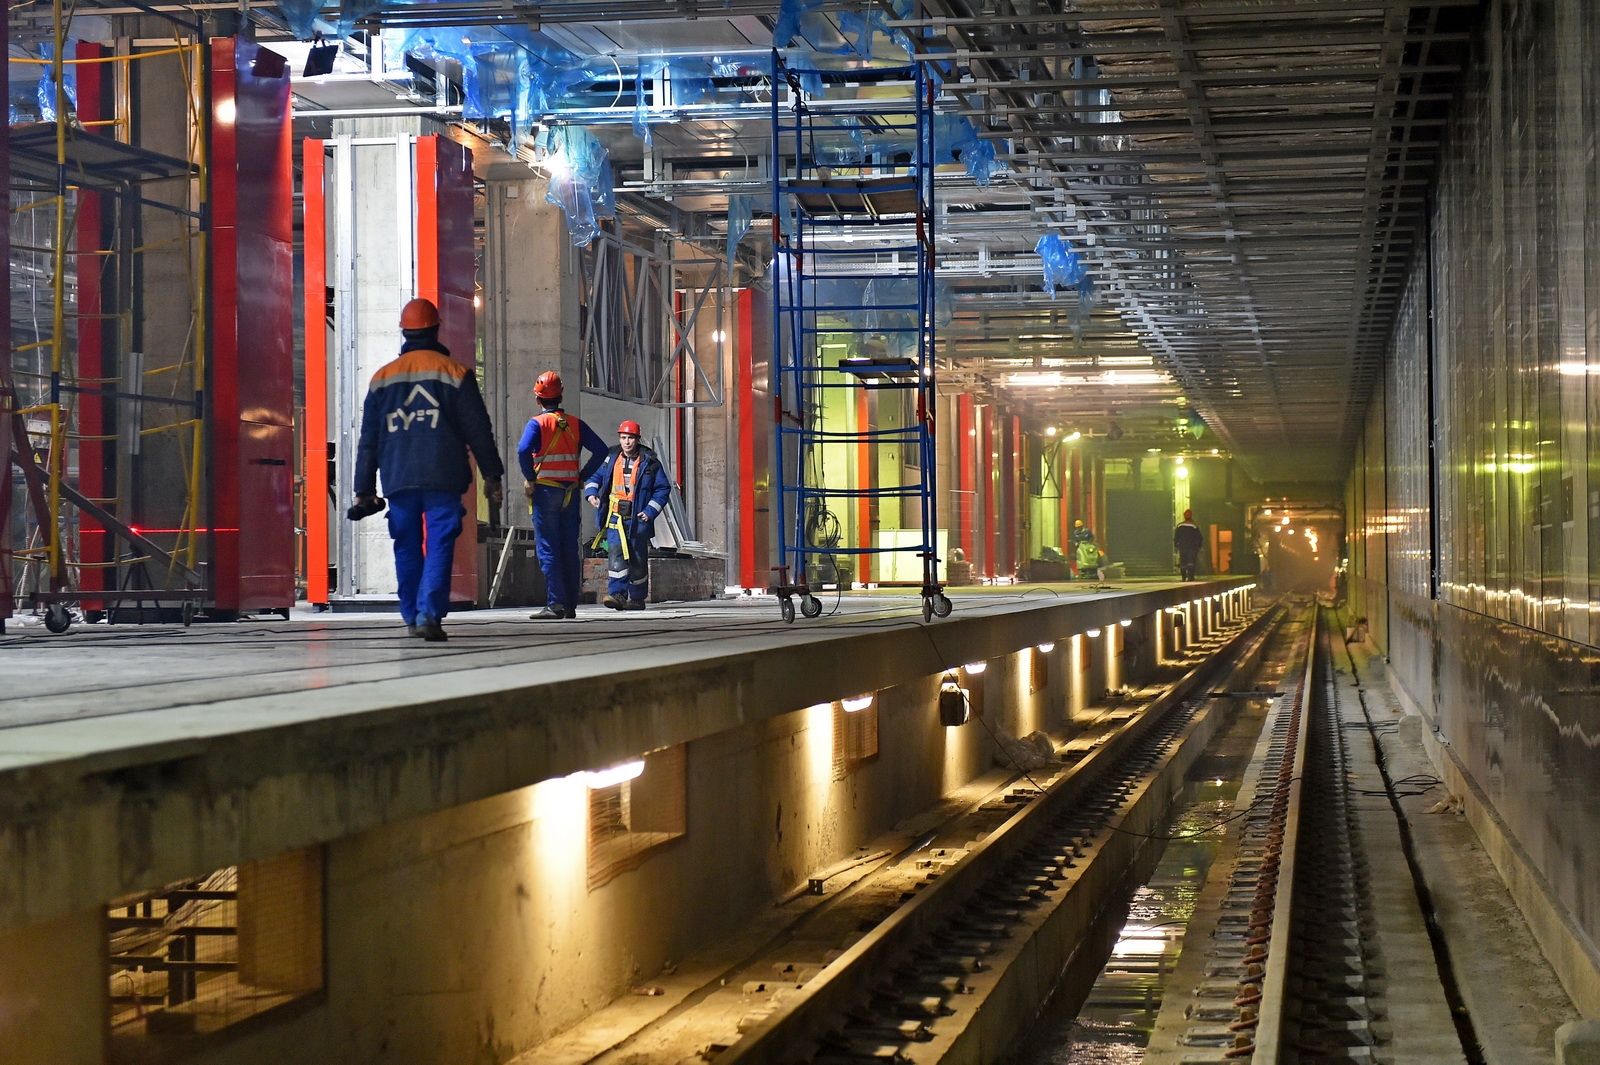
[{"x": 53, "y": 992}]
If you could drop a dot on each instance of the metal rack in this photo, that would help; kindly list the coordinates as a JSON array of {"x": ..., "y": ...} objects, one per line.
[
  {"x": 76, "y": 393},
  {"x": 853, "y": 318}
]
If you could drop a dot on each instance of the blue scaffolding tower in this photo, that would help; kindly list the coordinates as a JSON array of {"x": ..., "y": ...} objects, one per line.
[{"x": 853, "y": 226}]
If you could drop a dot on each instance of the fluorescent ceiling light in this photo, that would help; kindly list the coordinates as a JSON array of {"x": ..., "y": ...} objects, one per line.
[{"x": 855, "y": 704}]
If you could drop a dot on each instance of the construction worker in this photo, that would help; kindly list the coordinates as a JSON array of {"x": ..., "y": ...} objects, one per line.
[
  {"x": 1079, "y": 535},
  {"x": 630, "y": 489},
  {"x": 1187, "y": 539},
  {"x": 548, "y": 454},
  {"x": 422, "y": 414}
]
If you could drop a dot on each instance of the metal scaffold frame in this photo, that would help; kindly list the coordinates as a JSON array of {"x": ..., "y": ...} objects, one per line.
[
  {"x": 853, "y": 232},
  {"x": 59, "y": 166}
]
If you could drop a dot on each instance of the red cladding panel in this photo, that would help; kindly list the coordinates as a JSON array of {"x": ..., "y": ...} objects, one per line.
[
  {"x": 313, "y": 195},
  {"x": 96, "y": 479},
  {"x": 447, "y": 275},
  {"x": 252, "y": 368}
]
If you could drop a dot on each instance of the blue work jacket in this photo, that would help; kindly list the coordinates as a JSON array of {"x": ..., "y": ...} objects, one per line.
[
  {"x": 651, "y": 490},
  {"x": 423, "y": 412}
]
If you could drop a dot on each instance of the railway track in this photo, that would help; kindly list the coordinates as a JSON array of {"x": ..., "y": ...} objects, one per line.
[{"x": 976, "y": 942}]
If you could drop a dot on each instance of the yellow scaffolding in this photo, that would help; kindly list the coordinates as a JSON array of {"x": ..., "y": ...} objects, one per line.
[{"x": 51, "y": 554}]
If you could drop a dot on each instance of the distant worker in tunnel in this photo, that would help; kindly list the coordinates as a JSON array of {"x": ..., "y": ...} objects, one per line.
[
  {"x": 422, "y": 414},
  {"x": 1080, "y": 534},
  {"x": 1091, "y": 560},
  {"x": 630, "y": 490},
  {"x": 548, "y": 453},
  {"x": 1188, "y": 540}
]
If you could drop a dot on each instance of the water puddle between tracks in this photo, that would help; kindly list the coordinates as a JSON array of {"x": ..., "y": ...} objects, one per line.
[{"x": 1113, "y": 1024}]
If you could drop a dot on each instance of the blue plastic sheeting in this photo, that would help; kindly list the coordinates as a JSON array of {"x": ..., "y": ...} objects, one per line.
[
  {"x": 46, "y": 93},
  {"x": 300, "y": 16},
  {"x": 1062, "y": 266},
  {"x": 741, "y": 209},
  {"x": 806, "y": 20},
  {"x": 956, "y": 138},
  {"x": 581, "y": 181},
  {"x": 506, "y": 72},
  {"x": 353, "y": 11}
]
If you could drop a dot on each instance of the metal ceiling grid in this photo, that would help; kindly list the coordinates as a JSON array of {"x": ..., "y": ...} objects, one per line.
[{"x": 1257, "y": 171}]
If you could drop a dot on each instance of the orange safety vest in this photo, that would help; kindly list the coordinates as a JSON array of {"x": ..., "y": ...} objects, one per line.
[
  {"x": 624, "y": 479},
  {"x": 557, "y": 461}
]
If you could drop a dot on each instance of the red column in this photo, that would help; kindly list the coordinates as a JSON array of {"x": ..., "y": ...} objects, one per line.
[
  {"x": 96, "y": 477},
  {"x": 252, "y": 357},
  {"x": 743, "y": 358},
  {"x": 446, "y": 274},
  {"x": 991, "y": 437},
  {"x": 966, "y": 499},
  {"x": 315, "y": 427}
]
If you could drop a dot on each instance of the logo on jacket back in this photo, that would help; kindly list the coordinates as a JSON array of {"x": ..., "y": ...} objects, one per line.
[{"x": 405, "y": 418}]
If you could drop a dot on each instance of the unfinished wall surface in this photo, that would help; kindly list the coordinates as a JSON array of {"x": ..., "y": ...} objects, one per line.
[
  {"x": 1477, "y": 566},
  {"x": 53, "y": 992},
  {"x": 471, "y": 934}
]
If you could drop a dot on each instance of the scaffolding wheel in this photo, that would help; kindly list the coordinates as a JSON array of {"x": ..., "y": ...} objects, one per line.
[
  {"x": 186, "y": 613},
  {"x": 57, "y": 618},
  {"x": 927, "y": 608},
  {"x": 941, "y": 605},
  {"x": 786, "y": 605},
  {"x": 810, "y": 605}
]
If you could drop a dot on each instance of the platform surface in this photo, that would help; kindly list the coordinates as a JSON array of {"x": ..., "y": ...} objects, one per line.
[{"x": 130, "y": 755}]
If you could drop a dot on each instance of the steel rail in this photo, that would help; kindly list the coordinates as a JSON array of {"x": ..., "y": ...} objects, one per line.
[
  {"x": 1272, "y": 1011},
  {"x": 808, "y": 1018}
]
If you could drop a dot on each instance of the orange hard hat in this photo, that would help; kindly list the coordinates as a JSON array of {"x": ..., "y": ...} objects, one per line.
[
  {"x": 629, "y": 427},
  {"x": 419, "y": 314},
  {"x": 548, "y": 386}
]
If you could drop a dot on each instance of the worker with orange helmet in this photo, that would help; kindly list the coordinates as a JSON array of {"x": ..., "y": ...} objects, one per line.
[
  {"x": 630, "y": 489},
  {"x": 548, "y": 453},
  {"x": 422, "y": 414}
]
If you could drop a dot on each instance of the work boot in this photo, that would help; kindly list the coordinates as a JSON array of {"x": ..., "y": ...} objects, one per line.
[
  {"x": 614, "y": 603},
  {"x": 412, "y": 630},
  {"x": 634, "y": 604},
  {"x": 430, "y": 629},
  {"x": 549, "y": 613}
]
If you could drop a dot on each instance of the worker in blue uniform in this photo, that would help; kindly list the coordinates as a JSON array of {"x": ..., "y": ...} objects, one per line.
[
  {"x": 422, "y": 414},
  {"x": 548, "y": 454},
  {"x": 629, "y": 490}
]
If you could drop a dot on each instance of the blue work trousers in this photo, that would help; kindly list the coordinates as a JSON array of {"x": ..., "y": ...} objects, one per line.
[
  {"x": 628, "y": 575},
  {"x": 556, "y": 519},
  {"x": 424, "y": 527}
]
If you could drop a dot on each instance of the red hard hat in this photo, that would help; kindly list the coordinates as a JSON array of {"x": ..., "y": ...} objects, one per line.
[
  {"x": 629, "y": 427},
  {"x": 548, "y": 386},
  {"x": 419, "y": 314}
]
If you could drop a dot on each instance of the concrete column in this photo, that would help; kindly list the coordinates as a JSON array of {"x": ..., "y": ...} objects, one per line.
[
  {"x": 53, "y": 992},
  {"x": 531, "y": 286}
]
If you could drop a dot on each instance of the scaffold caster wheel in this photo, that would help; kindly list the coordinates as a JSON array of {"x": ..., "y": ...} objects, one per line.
[
  {"x": 186, "y": 613},
  {"x": 941, "y": 606},
  {"x": 786, "y": 604},
  {"x": 810, "y": 605},
  {"x": 927, "y": 608},
  {"x": 57, "y": 618}
]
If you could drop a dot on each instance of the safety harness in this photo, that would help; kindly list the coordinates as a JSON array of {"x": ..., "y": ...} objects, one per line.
[
  {"x": 619, "y": 508},
  {"x": 556, "y": 464}
]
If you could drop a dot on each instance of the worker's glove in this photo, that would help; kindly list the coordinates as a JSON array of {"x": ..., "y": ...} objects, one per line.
[
  {"x": 527, "y": 489},
  {"x": 365, "y": 507},
  {"x": 624, "y": 508},
  {"x": 494, "y": 493}
]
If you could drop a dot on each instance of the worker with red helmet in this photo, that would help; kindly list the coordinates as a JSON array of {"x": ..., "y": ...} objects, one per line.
[
  {"x": 549, "y": 455},
  {"x": 422, "y": 414},
  {"x": 630, "y": 490}
]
